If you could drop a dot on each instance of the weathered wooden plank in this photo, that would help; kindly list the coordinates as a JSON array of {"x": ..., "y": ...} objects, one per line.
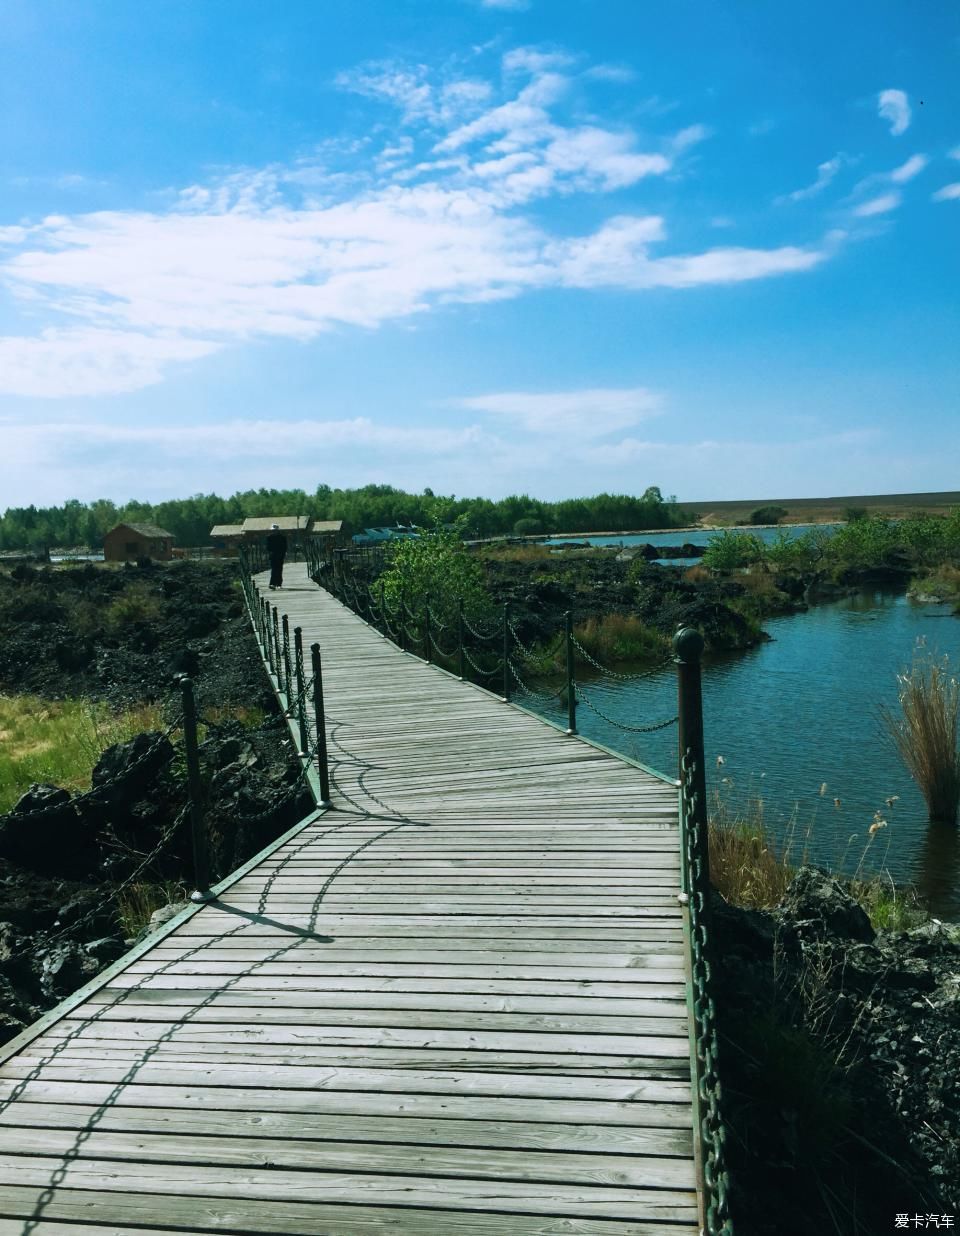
[
  {"x": 286, "y": 1218},
  {"x": 408, "y": 1131},
  {"x": 292, "y": 1151},
  {"x": 661, "y": 1112},
  {"x": 276, "y": 1184}
]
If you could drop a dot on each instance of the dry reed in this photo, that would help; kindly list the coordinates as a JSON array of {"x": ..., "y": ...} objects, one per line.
[{"x": 925, "y": 734}]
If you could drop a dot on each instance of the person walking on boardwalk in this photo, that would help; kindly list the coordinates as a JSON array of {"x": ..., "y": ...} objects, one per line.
[{"x": 276, "y": 551}]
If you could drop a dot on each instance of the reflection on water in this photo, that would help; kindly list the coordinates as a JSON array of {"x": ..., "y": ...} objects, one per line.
[
  {"x": 689, "y": 536},
  {"x": 797, "y": 724}
]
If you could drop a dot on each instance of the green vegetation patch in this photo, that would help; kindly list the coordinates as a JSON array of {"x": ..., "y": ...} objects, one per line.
[{"x": 61, "y": 741}]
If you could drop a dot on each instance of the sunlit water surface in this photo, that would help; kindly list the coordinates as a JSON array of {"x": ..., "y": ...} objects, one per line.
[{"x": 801, "y": 713}]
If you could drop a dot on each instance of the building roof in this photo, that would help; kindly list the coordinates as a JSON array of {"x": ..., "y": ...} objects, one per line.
[
  {"x": 148, "y": 530},
  {"x": 227, "y": 530},
  {"x": 286, "y": 523},
  {"x": 326, "y": 525}
]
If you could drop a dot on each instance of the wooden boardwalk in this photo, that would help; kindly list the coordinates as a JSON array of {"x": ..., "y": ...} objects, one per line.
[{"x": 455, "y": 1002}]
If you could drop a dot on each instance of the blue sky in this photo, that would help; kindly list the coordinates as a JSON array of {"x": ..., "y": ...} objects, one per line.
[{"x": 489, "y": 246}]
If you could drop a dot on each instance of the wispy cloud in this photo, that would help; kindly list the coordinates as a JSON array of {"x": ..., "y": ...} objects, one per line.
[
  {"x": 514, "y": 6},
  {"x": 826, "y": 172},
  {"x": 894, "y": 106},
  {"x": 290, "y": 251},
  {"x": 587, "y": 413},
  {"x": 949, "y": 193},
  {"x": 906, "y": 171},
  {"x": 877, "y": 205}
]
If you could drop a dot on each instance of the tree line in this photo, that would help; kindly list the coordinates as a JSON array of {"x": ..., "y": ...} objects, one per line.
[{"x": 78, "y": 523}]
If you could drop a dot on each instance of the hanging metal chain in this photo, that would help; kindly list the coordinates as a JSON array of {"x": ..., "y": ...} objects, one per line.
[
  {"x": 621, "y": 725},
  {"x": 476, "y": 668},
  {"x": 647, "y": 673},
  {"x": 545, "y": 657},
  {"x": 537, "y": 695},
  {"x": 709, "y": 1092},
  {"x": 480, "y": 634}
]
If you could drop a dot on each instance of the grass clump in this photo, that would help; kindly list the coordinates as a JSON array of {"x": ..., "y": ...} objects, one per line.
[
  {"x": 618, "y": 638},
  {"x": 747, "y": 867},
  {"x": 59, "y": 741},
  {"x": 136, "y": 604},
  {"x": 137, "y": 902},
  {"x": 925, "y": 733}
]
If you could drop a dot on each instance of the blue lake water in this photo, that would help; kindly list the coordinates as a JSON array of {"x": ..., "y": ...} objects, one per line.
[
  {"x": 695, "y": 536},
  {"x": 800, "y": 713}
]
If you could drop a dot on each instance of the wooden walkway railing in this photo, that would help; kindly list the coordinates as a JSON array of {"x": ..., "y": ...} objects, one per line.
[{"x": 456, "y": 1001}]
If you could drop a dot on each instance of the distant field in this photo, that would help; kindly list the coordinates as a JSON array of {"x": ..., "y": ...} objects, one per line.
[{"x": 825, "y": 510}]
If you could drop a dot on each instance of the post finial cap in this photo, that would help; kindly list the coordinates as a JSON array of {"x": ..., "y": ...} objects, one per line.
[{"x": 687, "y": 644}]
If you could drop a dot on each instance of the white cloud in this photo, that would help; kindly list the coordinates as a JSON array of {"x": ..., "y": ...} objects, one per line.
[
  {"x": 906, "y": 171},
  {"x": 587, "y": 413},
  {"x": 825, "y": 175},
  {"x": 949, "y": 193},
  {"x": 690, "y": 136},
  {"x": 893, "y": 105},
  {"x": 290, "y": 251},
  {"x": 878, "y": 205},
  {"x": 535, "y": 61},
  {"x": 87, "y": 361}
]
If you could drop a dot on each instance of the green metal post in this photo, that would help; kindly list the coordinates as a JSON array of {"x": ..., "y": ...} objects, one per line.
[
  {"x": 427, "y": 633},
  {"x": 403, "y": 624},
  {"x": 460, "y": 645},
  {"x": 321, "y": 724},
  {"x": 301, "y": 693},
  {"x": 285, "y": 625},
  {"x": 687, "y": 648},
  {"x": 276, "y": 644},
  {"x": 506, "y": 653},
  {"x": 571, "y": 675},
  {"x": 201, "y": 873}
]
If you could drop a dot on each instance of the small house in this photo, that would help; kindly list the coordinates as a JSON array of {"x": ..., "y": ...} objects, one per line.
[
  {"x": 129, "y": 542},
  {"x": 328, "y": 530},
  {"x": 226, "y": 538}
]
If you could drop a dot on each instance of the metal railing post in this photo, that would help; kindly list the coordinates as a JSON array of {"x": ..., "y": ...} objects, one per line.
[
  {"x": 201, "y": 872},
  {"x": 687, "y": 648},
  {"x": 460, "y": 645},
  {"x": 286, "y": 659},
  {"x": 427, "y": 633},
  {"x": 506, "y": 653},
  {"x": 321, "y": 724},
  {"x": 276, "y": 643},
  {"x": 403, "y": 625},
  {"x": 301, "y": 686},
  {"x": 571, "y": 674}
]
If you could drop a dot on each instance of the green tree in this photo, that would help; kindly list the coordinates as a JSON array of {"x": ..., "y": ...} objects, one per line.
[{"x": 768, "y": 514}]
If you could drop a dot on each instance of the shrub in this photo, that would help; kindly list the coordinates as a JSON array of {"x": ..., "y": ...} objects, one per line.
[
  {"x": 528, "y": 526},
  {"x": 768, "y": 514},
  {"x": 136, "y": 604},
  {"x": 854, "y": 513},
  {"x": 438, "y": 566},
  {"x": 926, "y": 733},
  {"x": 730, "y": 550}
]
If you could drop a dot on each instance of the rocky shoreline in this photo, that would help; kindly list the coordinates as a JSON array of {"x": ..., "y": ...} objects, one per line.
[{"x": 840, "y": 1060}]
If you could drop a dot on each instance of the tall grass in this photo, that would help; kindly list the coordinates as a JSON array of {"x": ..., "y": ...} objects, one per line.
[
  {"x": 925, "y": 733},
  {"x": 59, "y": 741},
  {"x": 613, "y": 638}
]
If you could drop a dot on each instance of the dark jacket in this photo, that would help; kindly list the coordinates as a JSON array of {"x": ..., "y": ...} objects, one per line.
[{"x": 276, "y": 546}]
